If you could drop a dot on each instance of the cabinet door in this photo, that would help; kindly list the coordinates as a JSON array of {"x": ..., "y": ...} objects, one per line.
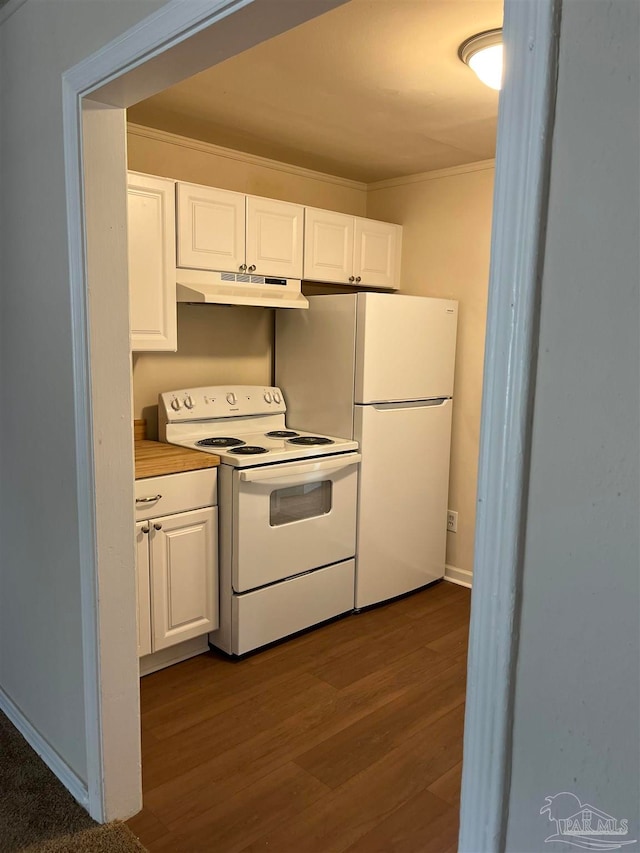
[
  {"x": 376, "y": 256},
  {"x": 144, "y": 596},
  {"x": 184, "y": 576},
  {"x": 211, "y": 228},
  {"x": 274, "y": 237},
  {"x": 152, "y": 263},
  {"x": 328, "y": 246}
]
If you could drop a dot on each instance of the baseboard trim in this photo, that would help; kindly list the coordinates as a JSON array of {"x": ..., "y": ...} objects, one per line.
[
  {"x": 72, "y": 782},
  {"x": 174, "y": 654},
  {"x": 463, "y": 577}
]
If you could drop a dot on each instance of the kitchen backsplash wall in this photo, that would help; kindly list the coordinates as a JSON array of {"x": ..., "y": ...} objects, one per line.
[
  {"x": 220, "y": 344},
  {"x": 217, "y": 344}
]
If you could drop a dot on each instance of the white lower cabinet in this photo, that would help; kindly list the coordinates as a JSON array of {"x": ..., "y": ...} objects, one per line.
[
  {"x": 144, "y": 592},
  {"x": 176, "y": 563},
  {"x": 184, "y": 594}
]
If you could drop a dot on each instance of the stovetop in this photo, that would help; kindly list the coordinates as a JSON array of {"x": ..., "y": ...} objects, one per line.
[{"x": 243, "y": 425}]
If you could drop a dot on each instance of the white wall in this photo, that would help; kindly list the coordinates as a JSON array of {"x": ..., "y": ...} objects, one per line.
[
  {"x": 446, "y": 218},
  {"x": 577, "y": 686},
  {"x": 40, "y": 626}
]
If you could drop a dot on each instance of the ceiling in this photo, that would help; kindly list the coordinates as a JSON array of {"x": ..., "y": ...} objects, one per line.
[{"x": 371, "y": 90}]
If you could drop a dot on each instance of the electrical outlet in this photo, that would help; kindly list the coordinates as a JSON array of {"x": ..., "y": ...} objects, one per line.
[{"x": 452, "y": 521}]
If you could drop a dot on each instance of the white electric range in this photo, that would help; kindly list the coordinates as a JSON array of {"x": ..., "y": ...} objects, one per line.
[{"x": 287, "y": 510}]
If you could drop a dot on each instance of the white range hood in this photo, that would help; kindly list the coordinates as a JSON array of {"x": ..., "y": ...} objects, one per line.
[{"x": 225, "y": 288}]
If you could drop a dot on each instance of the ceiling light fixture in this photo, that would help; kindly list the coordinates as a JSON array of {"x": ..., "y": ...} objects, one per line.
[{"x": 483, "y": 54}]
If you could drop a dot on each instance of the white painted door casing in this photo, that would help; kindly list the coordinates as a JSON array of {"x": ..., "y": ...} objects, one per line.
[
  {"x": 120, "y": 74},
  {"x": 152, "y": 263},
  {"x": 482, "y": 818},
  {"x": 184, "y": 573}
]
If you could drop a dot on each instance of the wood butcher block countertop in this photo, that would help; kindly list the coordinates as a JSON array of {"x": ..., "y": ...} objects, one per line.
[{"x": 155, "y": 458}]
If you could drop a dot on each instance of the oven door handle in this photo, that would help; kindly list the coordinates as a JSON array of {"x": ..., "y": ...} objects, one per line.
[{"x": 267, "y": 475}]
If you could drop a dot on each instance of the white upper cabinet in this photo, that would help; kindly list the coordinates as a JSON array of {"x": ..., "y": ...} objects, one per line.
[
  {"x": 230, "y": 232},
  {"x": 376, "y": 253},
  {"x": 229, "y": 236},
  {"x": 328, "y": 249},
  {"x": 152, "y": 262},
  {"x": 274, "y": 237},
  {"x": 344, "y": 249},
  {"x": 211, "y": 228}
]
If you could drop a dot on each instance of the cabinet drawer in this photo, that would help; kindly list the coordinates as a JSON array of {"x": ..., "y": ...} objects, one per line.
[{"x": 175, "y": 493}]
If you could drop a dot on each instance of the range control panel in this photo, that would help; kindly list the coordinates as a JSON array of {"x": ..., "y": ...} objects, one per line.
[{"x": 220, "y": 401}]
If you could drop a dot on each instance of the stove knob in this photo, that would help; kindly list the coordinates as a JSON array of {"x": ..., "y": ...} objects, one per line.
[
  {"x": 267, "y": 396},
  {"x": 231, "y": 399},
  {"x": 176, "y": 405},
  {"x": 276, "y": 397},
  {"x": 188, "y": 401}
]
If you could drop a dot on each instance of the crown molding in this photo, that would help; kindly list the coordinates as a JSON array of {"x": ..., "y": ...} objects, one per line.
[
  {"x": 420, "y": 177},
  {"x": 241, "y": 156}
]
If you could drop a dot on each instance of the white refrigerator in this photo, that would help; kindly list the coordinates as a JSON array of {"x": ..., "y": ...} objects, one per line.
[{"x": 379, "y": 368}]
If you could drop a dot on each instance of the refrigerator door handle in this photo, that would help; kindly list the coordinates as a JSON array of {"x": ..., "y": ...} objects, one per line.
[{"x": 412, "y": 404}]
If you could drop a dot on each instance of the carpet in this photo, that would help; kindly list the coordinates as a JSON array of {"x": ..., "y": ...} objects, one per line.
[
  {"x": 113, "y": 837},
  {"x": 39, "y": 815}
]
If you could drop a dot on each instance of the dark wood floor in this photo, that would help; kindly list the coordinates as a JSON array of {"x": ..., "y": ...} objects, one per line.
[{"x": 348, "y": 738}]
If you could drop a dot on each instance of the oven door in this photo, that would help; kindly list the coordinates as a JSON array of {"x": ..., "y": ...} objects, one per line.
[{"x": 292, "y": 517}]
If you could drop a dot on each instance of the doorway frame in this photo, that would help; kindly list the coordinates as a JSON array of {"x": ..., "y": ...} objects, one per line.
[{"x": 161, "y": 50}]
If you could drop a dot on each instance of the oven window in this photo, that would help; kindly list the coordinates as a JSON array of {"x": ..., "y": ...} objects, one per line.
[{"x": 299, "y": 502}]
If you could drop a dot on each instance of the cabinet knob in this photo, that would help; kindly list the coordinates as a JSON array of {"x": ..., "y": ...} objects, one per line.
[
  {"x": 352, "y": 278},
  {"x": 252, "y": 268},
  {"x": 149, "y": 500},
  {"x": 358, "y": 279},
  {"x": 145, "y": 529},
  {"x": 157, "y": 526},
  {"x": 243, "y": 267}
]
